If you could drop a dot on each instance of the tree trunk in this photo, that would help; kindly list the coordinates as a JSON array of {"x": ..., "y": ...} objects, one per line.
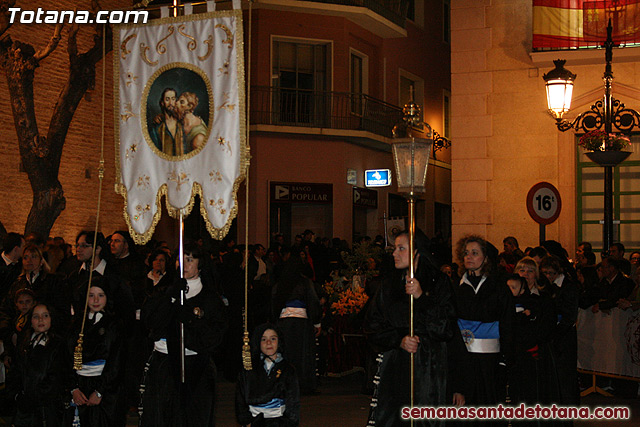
[{"x": 41, "y": 155}]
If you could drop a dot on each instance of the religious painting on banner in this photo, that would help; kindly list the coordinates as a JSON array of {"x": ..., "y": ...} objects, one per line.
[{"x": 180, "y": 119}]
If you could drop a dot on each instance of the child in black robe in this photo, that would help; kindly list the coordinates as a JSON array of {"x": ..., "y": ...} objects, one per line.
[
  {"x": 37, "y": 377},
  {"x": 268, "y": 395},
  {"x": 532, "y": 379},
  {"x": 95, "y": 387}
]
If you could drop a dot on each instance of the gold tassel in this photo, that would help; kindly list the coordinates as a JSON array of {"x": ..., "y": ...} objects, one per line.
[
  {"x": 77, "y": 355},
  {"x": 246, "y": 352}
]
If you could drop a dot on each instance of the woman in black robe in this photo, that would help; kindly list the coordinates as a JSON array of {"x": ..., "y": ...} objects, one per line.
[
  {"x": 95, "y": 387},
  {"x": 166, "y": 400},
  {"x": 268, "y": 395},
  {"x": 38, "y": 376},
  {"x": 387, "y": 328},
  {"x": 484, "y": 337},
  {"x": 298, "y": 310},
  {"x": 46, "y": 286}
]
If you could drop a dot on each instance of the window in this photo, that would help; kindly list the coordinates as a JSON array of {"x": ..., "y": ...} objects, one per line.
[
  {"x": 407, "y": 81},
  {"x": 446, "y": 114},
  {"x": 415, "y": 12},
  {"x": 301, "y": 74},
  {"x": 411, "y": 10},
  {"x": 446, "y": 21},
  {"x": 358, "y": 81},
  {"x": 626, "y": 200}
]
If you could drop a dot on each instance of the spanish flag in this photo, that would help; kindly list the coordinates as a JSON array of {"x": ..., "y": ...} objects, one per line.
[{"x": 570, "y": 24}]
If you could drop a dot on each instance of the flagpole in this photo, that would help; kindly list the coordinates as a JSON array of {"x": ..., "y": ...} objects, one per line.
[{"x": 182, "y": 295}]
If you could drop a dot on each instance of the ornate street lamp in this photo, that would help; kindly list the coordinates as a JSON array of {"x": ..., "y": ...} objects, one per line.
[
  {"x": 606, "y": 114},
  {"x": 411, "y": 158}
]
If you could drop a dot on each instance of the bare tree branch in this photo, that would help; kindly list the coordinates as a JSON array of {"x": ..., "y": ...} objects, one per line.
[
  {"x": 4, "y": 14},
  {"x": 53, "y": 43},
  {"x": 41, "y": 155}
]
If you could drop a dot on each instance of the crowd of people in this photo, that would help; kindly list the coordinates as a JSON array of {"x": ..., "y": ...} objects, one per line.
[{"x": 494, "y": 325}]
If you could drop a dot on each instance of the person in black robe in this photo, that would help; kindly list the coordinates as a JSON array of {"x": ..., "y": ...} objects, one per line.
[
  {"x": 122, "y": 300},
  {"x": 166, "y": 400},
  {"x": 483, "y": 345},
  {"x": 95, "y": 387},
  {"x": 564, "y": 294},
  {"x": 268, "y": 395},
  {"x": 38, "y": 375},
  {"x": 532, "y": 377},
  {"x": 298, "y": 310},
  {"x": 46, "y": 287},
  {"x": 387, "y": 329}
]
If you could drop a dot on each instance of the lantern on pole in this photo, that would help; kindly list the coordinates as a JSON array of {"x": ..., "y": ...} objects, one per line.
[{"x": 411, "y": 158}]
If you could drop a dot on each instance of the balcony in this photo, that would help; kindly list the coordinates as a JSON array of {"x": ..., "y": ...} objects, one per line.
[
  {"x": 393, "y": 10},
  {"x": 349, "y": 115},
  {"x": 386, "y": 18}
]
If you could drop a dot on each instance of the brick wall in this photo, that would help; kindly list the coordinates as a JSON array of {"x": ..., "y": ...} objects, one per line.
[{"x": 79, "y": 165}]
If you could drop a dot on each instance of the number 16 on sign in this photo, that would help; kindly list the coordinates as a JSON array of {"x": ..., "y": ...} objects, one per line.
[{"x": 544, "y": 205}]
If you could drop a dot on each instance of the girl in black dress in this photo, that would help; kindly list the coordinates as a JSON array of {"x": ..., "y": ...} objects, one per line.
[
  {"x": 95, "y": 387},
  {"x": 37, "y": 378},
  {"x": 268, "y": 395}
]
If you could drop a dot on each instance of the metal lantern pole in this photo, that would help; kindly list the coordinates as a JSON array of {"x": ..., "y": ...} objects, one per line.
[
  {"x": 605, "y": 114},
  {"x": 411, "y": 157}
]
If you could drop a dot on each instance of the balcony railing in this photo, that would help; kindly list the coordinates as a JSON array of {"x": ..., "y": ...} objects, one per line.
[
  {"x": 394, "y": 10},
  {"x": 317, "y": 109}
]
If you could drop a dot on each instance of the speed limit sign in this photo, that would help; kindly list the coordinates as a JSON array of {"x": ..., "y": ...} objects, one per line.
[{"x": 544, "y": 203}]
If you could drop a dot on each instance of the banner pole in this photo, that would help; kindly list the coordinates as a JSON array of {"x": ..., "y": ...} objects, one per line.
[{"x": 182, "y": 295}]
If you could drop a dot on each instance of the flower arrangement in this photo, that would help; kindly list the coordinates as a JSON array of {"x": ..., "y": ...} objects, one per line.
[
  {"x": 599, "y": 140},
  {"x": 358, "y": 262},
  {"x": 349, "y": 302}
]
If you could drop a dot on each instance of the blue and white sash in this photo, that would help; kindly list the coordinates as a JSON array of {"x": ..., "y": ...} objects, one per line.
[
  {"x": 480, "y": 337},
  {"x": 92, "y": 369},
  {"x": 273, "y": 409}
]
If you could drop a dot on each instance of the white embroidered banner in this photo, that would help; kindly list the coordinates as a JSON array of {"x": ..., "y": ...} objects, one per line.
[{"x": 180, "y": 119}]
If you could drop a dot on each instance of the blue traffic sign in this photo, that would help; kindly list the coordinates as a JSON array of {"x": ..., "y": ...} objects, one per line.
[{"x": 377, "y": 178}]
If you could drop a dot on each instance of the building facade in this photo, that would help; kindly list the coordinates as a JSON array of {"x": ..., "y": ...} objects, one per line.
[
  {"x": 506, "y": 142},
  {"x": 327, "y": 81}
]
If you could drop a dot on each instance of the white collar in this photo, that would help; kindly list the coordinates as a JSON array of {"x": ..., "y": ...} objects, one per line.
[
  {"x": 559, "y": 280},
  {"x": 7, "y": 260},
  {"x": 153, "y": 278},
  {"x": 33, "y": 278},
  {"x": 194, "y": 286},
  {"x": 466, "y": 280},
  {"x": 97, "y": 315},
  {"x": 99, "y": 268},
  {"x": 39, "y": 338}
]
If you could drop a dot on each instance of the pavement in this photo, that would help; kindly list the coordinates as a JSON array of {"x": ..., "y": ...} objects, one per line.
[{"x": 340, "y": 403}]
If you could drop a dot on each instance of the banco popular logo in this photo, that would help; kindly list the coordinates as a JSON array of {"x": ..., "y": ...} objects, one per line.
[{"x": 282, "y": 192}]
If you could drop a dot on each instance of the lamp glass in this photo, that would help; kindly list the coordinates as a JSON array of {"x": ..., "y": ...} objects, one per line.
[
  {"x": 559, "y": 93},
  {"x": 411, "y": 157}
]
